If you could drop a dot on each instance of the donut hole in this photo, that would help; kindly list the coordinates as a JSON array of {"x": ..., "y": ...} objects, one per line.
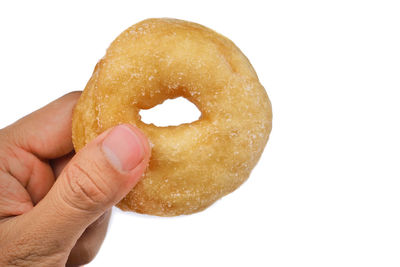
[{"x": 172, "y": 112}]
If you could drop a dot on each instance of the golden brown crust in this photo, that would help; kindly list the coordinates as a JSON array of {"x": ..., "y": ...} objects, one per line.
[{"x": 192, "y": 165}]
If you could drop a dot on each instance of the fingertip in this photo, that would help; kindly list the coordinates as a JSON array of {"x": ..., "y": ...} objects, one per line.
[
  {"x": 123, "y": 148},
  {"x": 145, "y": 142},
  {"x": 138, "y": 172},
  {"x": 143, "y": 138},
  {"x": 16, "y": 209},
  {"x": 24, "y": 208}
]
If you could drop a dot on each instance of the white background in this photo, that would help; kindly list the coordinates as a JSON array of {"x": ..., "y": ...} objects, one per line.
[{"x": 326, "y": 190}]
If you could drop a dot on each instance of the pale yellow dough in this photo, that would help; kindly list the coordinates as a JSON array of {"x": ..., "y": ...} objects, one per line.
[{"x": 192, "y": 165}]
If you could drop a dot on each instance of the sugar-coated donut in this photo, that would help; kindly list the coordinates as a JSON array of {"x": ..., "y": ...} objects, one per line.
[{"x": 192, "y": 165}]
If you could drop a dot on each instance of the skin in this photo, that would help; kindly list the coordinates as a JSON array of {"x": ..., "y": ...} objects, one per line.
[{"x": 55, "y": 206}]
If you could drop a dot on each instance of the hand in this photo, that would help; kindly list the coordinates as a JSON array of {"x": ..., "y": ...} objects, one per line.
[{"x": 54, "y": 205}]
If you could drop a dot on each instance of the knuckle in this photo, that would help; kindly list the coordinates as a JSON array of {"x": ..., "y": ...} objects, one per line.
[{"x": 84, "y": 190}]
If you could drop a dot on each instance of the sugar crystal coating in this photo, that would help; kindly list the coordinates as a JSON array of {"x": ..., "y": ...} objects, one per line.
[{"x": 192, "y": 165}]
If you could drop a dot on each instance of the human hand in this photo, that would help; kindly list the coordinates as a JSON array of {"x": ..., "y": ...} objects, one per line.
[{"x": 54, "y": 205}]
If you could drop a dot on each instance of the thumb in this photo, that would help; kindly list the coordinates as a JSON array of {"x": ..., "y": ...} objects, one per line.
[{"x": 95, "y": 179}]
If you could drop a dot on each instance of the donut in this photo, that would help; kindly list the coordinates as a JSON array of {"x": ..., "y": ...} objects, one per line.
[{"x": 194, "y": 164}]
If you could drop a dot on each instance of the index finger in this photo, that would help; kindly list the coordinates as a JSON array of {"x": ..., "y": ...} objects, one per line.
[{"x": 47, "y": 132}]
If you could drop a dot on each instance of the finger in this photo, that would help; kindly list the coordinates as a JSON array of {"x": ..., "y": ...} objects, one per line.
[
  {"x": 97, "y": 178},
  {"x": 89, "y": 243},
  {"x": 47, "y": 131},
  {"x": 59, "y": 164},
  {"x": 14, "y": 199},
  {"x": 30, "y": 171},
  {"x": 41, "y": 181}
]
